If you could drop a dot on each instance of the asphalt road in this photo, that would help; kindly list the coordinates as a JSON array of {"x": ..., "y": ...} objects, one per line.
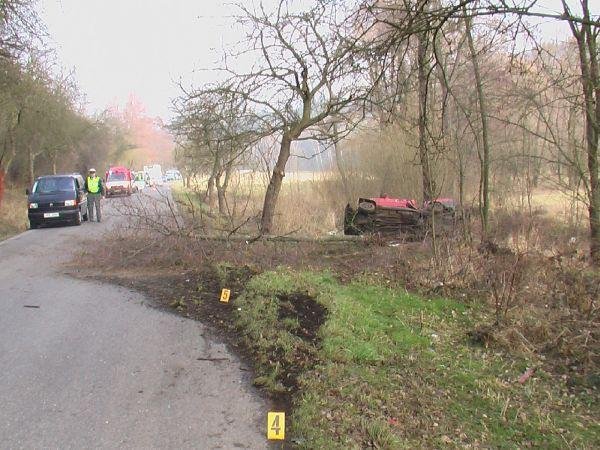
[{"x": 91, "y": 365}]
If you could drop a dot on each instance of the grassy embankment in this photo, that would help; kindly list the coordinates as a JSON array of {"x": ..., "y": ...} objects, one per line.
[
  {"x": 13, "y": 213},
  {"x": 393, "y": 370}
]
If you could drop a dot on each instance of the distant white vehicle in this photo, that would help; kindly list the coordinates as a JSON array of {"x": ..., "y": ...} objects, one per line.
[
  {"x": 173, "y": 175},
  {"x": 154, "y": 174}
]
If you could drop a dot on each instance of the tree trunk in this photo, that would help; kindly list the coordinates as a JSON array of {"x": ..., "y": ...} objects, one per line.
[
  {"x": 484, "y": 206},
  {"x": 428, "y": 183},
  {"x": 340, "y": 167},
  {"x": 590, "y": 79},
  {"x": 221, "y": 196},
  {"x": 1, "y": 185},
  {"x": 222, "y": 189},
  {"x": 8, "y": 152},
  {"x": 272, "y": 194},
  {"x": 31, "y": 164},
  {"x": 209, "y": 196},
  {"x": 593, "y": 132}
]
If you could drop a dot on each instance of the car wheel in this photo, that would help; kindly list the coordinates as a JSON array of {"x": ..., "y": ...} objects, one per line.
[
  {"x": 33, "y": 225},
  {"x": 366, "y": 207},
  {"x": 78, "y": 218}
]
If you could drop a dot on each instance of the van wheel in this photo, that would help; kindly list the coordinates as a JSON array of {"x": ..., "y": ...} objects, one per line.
[
  {"x": 78, "y": 218},
  {"x": 33, "y": 225}
]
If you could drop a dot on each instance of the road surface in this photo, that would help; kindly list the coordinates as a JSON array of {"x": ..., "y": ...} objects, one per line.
[{"x": 90, "y": 365}]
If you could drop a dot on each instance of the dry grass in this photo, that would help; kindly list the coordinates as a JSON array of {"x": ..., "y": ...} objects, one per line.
[{"x": 13, "y": 213}]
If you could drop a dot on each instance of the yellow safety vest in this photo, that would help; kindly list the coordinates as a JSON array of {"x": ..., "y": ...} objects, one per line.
[{"x": 93, "y": 184}]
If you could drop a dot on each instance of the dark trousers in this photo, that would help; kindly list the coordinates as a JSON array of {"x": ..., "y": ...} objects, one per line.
[{"x": 94, "y": 202}]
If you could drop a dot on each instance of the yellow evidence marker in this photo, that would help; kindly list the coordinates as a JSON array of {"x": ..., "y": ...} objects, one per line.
[
  {"x": 225, "y": 293},
  {"x": 276, "y": 426}
]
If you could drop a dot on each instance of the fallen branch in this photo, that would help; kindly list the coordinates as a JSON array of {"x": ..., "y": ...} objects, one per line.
[{"x": 271, "y": 238}]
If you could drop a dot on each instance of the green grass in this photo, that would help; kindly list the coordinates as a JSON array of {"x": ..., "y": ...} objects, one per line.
[
  {"x": 13, "y": 213},
  {"x": 396, "y": 371}
]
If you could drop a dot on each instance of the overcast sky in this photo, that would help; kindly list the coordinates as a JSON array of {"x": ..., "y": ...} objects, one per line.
[
  {"x": 118, "y": 47},
  {"x": 144, "y": 47}
]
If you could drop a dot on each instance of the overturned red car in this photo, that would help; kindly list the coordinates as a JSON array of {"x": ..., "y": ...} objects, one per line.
[{"x": 388, "y": 215}]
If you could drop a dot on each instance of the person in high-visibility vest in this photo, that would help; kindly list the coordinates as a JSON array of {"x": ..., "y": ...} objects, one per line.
[{"x": 95, "y": 190}]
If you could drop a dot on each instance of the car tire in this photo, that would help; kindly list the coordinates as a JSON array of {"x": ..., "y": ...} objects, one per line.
[
  {"x": 78, "y": 218},
  {"x": 366, "y": 207},
  {"x": 33, "y": 225}
]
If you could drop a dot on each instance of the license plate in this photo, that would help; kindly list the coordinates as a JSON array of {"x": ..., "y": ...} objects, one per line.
[{"x": 49, "y": 215}]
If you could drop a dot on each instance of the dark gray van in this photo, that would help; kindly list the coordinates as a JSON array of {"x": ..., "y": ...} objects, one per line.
[{"x": 57, "y": 199}]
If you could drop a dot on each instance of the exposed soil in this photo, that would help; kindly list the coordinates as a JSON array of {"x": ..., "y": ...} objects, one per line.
[{"x": 310, "y": 314}]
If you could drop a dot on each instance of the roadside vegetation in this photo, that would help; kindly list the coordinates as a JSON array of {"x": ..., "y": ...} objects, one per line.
[
  {"x": 391, "y": 369},
  {"x": 365, "y": 345},
  {"x": 13, "y": 213}
]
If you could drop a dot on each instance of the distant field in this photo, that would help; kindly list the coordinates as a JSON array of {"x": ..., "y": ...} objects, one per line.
[{"x": 558, "y": 203}]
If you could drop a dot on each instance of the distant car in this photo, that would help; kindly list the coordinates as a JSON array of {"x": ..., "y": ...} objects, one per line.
[
  {"x": 57, "y": 199},
  {"x": 155, "y": 175},
  {"x": 118, "y": 181},
  {"x": 173, "y": 175}
]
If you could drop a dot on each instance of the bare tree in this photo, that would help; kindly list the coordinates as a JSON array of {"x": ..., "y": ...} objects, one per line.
[
  {"x": 309, "y": 69},
  {"x": 215, "y": 131},
  {"x": 585, "y": 33},
  {"x": 484, "y": 202},
  {"x": 21, "y": 30}
]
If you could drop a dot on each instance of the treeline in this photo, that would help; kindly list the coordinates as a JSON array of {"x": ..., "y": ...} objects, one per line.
[
  {"x": 43, "y": 125},
  {"x": 459, "y": 97}
]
